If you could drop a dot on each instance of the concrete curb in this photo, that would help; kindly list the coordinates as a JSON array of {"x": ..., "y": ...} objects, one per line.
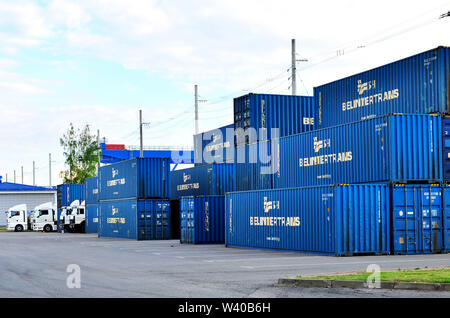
[{"x": 354, "y": 284}]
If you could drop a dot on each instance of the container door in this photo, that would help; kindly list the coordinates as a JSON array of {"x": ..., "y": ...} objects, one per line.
[
  {"x": 446, "y": 218},
  {"x": 417, "y": 219},
  {"x": 446, "y": 147}
]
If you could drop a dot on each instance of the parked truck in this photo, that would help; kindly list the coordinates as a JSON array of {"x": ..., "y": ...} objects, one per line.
[
  {"x": 72, "y": 218},
  {"x": 45, "y": 218},
  {"x": 19, "y": 219}
]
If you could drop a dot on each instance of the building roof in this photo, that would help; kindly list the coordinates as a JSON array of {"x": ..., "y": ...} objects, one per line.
[{"x": 8, "y": 186}]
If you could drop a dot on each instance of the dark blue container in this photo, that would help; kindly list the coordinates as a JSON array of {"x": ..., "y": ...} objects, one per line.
[
  {"x": 140, "y": 178},
  {"x": 394, "y": 148},
  {"x": 214, "y": 146},
  {"x": 341, "y": 220},
  {"x": 415, "y": 85},
  {"x": 91, "y": 186},
  {"x": 417, "y": 219},
  {"x": 290, "y": 114},
  {"x": 254, "y": 166},
  {"x": 135, "y": 219},
  {"x": 92, "y": 218},
  {"x": 446, "y": 218},
  {"x": 67, "y": 193},
  {"x": 215, "y": 179},
  {"x": 202, "y": 220}
]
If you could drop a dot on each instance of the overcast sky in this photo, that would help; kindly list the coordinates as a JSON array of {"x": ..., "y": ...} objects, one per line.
[{"x": 98, "y": 62}]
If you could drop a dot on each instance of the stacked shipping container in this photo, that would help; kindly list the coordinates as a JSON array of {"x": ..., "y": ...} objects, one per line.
[{"x": 91, "y": 186}]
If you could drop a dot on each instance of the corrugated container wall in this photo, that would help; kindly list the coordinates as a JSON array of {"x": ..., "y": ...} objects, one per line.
[
  {"x": 135, "y": 219},
  {"x": 91, "y": 186},
  {"x": 67, "y": 193},
  {"x": 395, "y": 148},
  {"x": 254, "y": 166},
  {"x": 418, "y": 84},
  {"x": 418, "y": 218},
  {"x": 290, "y": 114},
  {"x": 92, "y": 218},
  {"x": 214, "y": 146},
  {"x": 446, "y": 148},
  {"x": 342, "y": 220},
  {"x": 140, "y": 178},
  {"x": 202, "y": 220},
  {"x": 215, "y": 179},
  {"x": 446, "y": 218}
]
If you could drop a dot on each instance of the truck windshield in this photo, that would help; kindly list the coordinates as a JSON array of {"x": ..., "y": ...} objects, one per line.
[
  {"x": 43, "y": 212},
  {"x": 13, "y": 213}
]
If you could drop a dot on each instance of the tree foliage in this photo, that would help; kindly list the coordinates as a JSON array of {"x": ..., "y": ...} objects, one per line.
[{"x": 82, "y": 154}]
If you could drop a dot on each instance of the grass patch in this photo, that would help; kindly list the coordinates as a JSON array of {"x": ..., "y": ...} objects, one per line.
[
  {"x": 415, "y": 275},
  {"x": 2, "y": 229}
]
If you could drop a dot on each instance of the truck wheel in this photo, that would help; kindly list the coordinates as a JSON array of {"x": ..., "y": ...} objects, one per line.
[
  {"x": 19, "y": 228},
  {"x": 48, "y": 228}
]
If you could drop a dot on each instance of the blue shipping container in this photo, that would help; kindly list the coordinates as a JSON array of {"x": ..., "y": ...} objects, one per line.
[
  {"x": 289, "y": 114},
  {"x": 417, "y": 219},
  {"x": 215, "y": 179},
  {"x": 446, "y": 147},
  {"x": 135, "y": 219},
  {"x": 446, "y": 218},
  {"x": 342, "y": 220},
  {"x": 91, "y": 186},
  {"x": 67, "y": 193},
  {"x": 416, "y": 85},
  {"x": 92, "y": 218},
  {"x": 202, "y": 220},
  {"x": 214, "y": 146},
  {"x": 254, "y": 166},
  {"x": 394, "y": 148},
  {"x": 140, "y": 178}
]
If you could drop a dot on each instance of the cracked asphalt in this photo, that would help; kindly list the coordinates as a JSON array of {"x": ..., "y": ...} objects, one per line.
[{"x": 35, "y": 265}]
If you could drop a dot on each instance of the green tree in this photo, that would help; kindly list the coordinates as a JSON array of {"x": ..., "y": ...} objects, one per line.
[{"x": 82, "y": 154}]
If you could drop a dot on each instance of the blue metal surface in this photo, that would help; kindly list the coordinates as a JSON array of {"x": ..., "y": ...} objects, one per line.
[
  {"x": 136, "y": 178},
  {"x": 92, "y": 218},
  {"x": 446, "y": 218},
  {"x": 135, "y": 219},
  {"x": 67, "y": 193},
  {"x": 416, "y": 85},
  {"x": 254, "y": 166},
  {"x": 290, "y": 114},
  {"x": 202, "y": 220},
  {"x": 417, "y": 219},
  {"x": 215, "y": 179},
  {"x": 342, "y": 220},
  {"x": 212, "y": 146},
  {"x": 91, "y": 186},
  {"x": 115, "y": 156},
  {"x": 394, "y": 148},
  {"x": 8, "y": 186},
  {"x": 446, "y": 148}
]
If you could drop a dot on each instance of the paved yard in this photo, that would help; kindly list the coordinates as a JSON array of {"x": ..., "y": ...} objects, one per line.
[{"x": 35, "y": 264}]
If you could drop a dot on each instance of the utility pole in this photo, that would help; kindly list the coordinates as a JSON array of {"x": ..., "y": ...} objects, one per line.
[
  {"x": 22, "y": 174},
  {"x": 294, "y": 69},
  {"x": 34, "y": 174},
  {"x": 6, "y": 177},
  {"x": 140, "y": 131},
  {"x": 196, "y": 109},
  {"x": 14, "y": 176},
  {"x": 98, "y": 137},
  {"x": 50, "y": 169}
]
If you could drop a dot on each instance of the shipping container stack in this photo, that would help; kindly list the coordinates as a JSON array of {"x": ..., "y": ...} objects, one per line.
[
  {"x": 66, "y": 194},
  {"x": 134, "y": 200},
  {"x": 91, "y": 209},
  {"x": 199, "y": 191},
  {"x": 369, "y": 179}
]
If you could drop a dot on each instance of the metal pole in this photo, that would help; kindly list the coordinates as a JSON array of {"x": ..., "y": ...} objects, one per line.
[
  {"x": 22, "y": 174},
  {"x": 34, "y": 174},
  {"x": 140, "y": 130},
  {"x": 6, "y": 177},
  {"x": 294, "y": 70},
  {"x": 196, "y": 109},
  {"x": 50, "y": 169},
  {"x": 14, "y": 176}
]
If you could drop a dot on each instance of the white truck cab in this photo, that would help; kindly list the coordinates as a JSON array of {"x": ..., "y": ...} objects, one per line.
[
  {"x": 73, "y": 217},
  {"x": 18, "y": 219},
  {"x": 45, "y": 217}
]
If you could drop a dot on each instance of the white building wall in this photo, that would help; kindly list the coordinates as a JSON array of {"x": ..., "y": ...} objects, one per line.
[{"x": 31, "y": 199}]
